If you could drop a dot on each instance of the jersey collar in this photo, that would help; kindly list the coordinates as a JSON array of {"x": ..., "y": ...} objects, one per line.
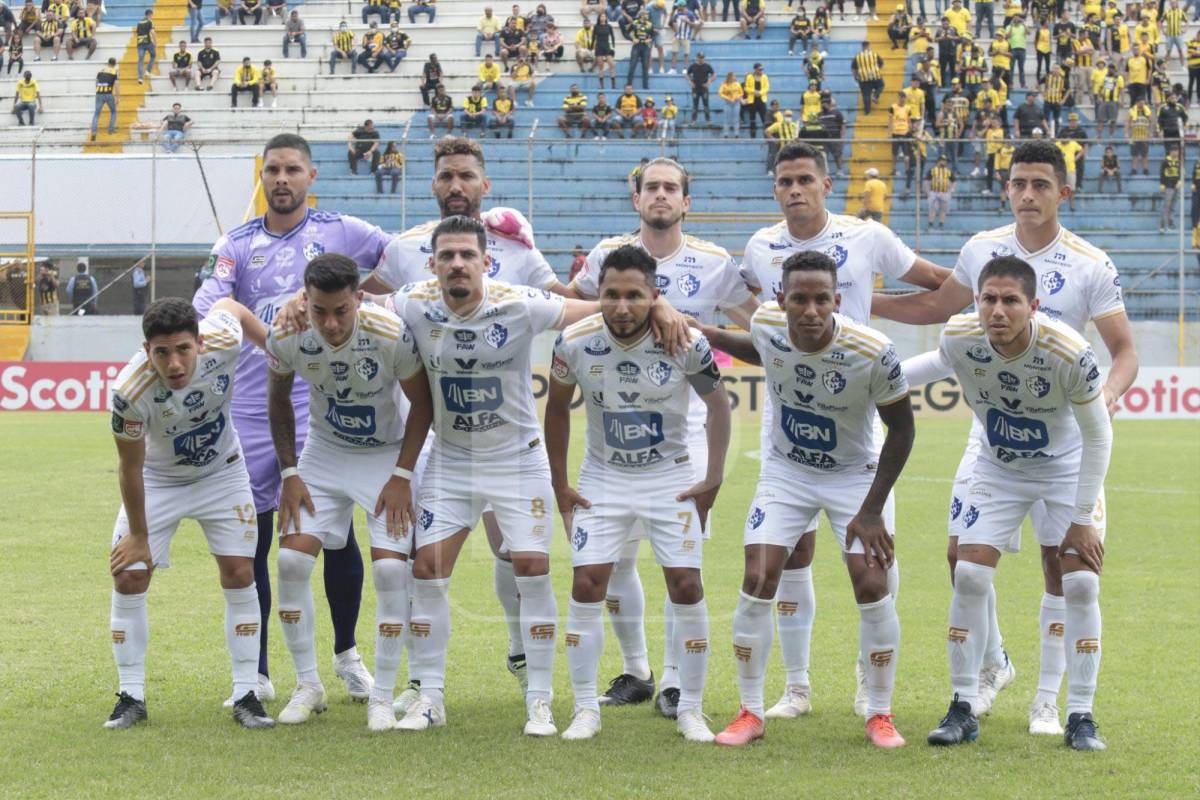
[
  {"x": 672, "y": 256},
  {"x": 1033, "y": 337},
  {"x": 483, "y": 300},
  {"x": 1027, "y": 255},
  {"x": 262, "y": 222},
  {"x": 824, "y": 230}
]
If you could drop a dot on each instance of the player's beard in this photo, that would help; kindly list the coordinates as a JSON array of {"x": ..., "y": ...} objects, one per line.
[
  {"x": 661, "y": 223},
  {"x": 634, "y": 331},
  {"x": 471, "y": 209},
  {"x": 288, "y": 207}
]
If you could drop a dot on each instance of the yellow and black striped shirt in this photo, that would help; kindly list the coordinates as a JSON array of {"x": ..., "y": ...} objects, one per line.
[
  {"x": 1139, "y": 125},
  {"x": 940, "y": 179},
  {"x": 344, "y": 41},
  {"x": 1056, "y": 88},
  {"x": 49, "y": 28},
  {"x": 1193, "y": 54},
  {"x": 575, "y": 104},
  {"x": 393, "y": 160},
  {"x": 1084, "y": 52},
  {"x": 143, "y": 31},
  {"x": 1174, "y": 21},
  {"x": 869, "y": 66},
  {"x": 973, "y": 69},
  {"x": 105, "y": 79},
  {"x": 83, "y": 27}
]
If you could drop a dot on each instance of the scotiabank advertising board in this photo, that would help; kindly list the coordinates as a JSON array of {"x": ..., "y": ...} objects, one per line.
[{"x": 1158, "y": 393}]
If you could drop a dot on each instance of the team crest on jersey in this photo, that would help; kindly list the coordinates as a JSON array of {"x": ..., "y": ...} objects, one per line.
[
  {"x": 888, "y": 358},
  {"x": 971, "y": 516},
  {"x": 193, "y": 399},
  {"x": 597, "y": 346},
  {"x": 312, "y": 250},
  {"x": 833, "y": 381},
  {"x": 496, "y": 335},
  {"x": 493, "y": 266},
  {"x": 662, "y": 282},
  {"x": 659, "y": 373},
  {"x": 757, "y": 515},
  {"x": 579, "y": 538},
  {"x": 220, "y": 384},
  {"x": 435, "y": 314},
  {"x": 223, "y": 269},
  {"x": 979, "y": 353},
  {"x": 688, "y": 283},
  {"x": 310, "y": 346},
  {"x": 955, "y": 507},
  {"x": 838, "y": 253},
  {"x": 559, "y": 367},
  {"x": 1037, "y": 385},
  {"x": 426, "y": 518},
  {"x": 1053, "y": 281},
  {"x": 805, "y": 374},
  {"x": 366, "y": 368}
]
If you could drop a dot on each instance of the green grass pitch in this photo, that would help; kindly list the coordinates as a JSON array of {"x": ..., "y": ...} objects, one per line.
[{"x": 57, "y": 474}]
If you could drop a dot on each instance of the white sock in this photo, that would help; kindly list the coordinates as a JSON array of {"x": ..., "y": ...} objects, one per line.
[
  {"x": 879, "y": 640},
  {"x": 968, "y": 628},
  {"x": 539, "y": 620},
  {"x": 626, "y": 604},
  {"x": 585, "y": 643},
  {"x": 242, "y": 622},
  {"x": 670, "y": 673},
  {"x": 691, "y": 643},
  {"x": 296, "y": 612},
  {"x": 407, "y": 657},
  {"x": 993, "y": 652},
  {"x": 429, "y": 632},
  {"x": 795, "y": 608},
  {"x": 751, "y": 646},
  {"x": 390, "y": 576},
  {"x": 1081, "y": 590},
  {"x": 505, "y": 584},
  {"x": 1052, "y": 619},
  {"x": 130, "y": 635},
  {"x": 893, "y": 579}
]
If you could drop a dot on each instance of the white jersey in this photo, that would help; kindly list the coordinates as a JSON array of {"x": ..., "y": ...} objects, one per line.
[
  {"x": 823, "y": 404},
  {"x": 1023, "y": 403},
  {"x": 352, "y": 389},
  {"x": 479, "y": 365},
  {"x": 860, "y": 248},
  {"x": 636, "y": 395},
  {"x": 1076, "y": 281},
  {"x": 407, "y": 257},
  {"x": 188, "y": 432}
]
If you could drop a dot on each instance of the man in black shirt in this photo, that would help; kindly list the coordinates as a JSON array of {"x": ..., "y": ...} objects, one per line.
[
  {"x": 441, "y": 111},
  {"x": 147, "y": 45},
  {"x": 1172, "y": 118},
  {"x": 947, "y": 48},
  {"x": 209, "y": 61},
  {"x": 107, "y": 94},
  {"x": 834, "y": 124},
  {"x": 363, "y": 145},
  {"x": 181, "y": 66},
  {"x": 174, "y": 128},
  {"x": 602, "y": 117},
  {"x": 512, "y": 43},
  {"x": 700, "y": 74}
]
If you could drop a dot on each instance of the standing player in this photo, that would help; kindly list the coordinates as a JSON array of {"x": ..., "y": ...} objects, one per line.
[
  {"x": 860, "y": 249},
  {"x": 460, "y": 183},
  {"x": 637, "y": 408},
  {"x": 261, "y": 264},
  {"x": 474, "y": 336},
  {"x": 1076, "y": 282},
  {"x": 179, "y": 457},
  {"x": 828, "y": 377},
  {"x": 1033, "y": 384},
  {"x": 699, "y": 279},
  {"x": 361, "y": 452}
]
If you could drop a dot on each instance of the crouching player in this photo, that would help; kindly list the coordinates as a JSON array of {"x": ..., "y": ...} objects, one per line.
[
  {"x": 828, "y": 376},
  {"x": 637, "y": 400},
  {"x": 1033, "y": 384},
  {"x": 361, "y": 451},
  {"x": 179, "y": 456}
]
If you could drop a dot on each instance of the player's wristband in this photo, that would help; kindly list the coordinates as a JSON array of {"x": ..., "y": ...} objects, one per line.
[
  {"x": 288, "y": 472},
  {"x": 401, "y": 472}
]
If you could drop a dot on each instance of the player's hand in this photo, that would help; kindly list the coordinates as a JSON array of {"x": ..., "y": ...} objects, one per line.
[
  {"x": 568, "y": 500},
  {"x": 1110, "y": 401},
  {"x": 293, "y": 494},
  {"x": 294, "y": 314},
  {"x": 396, "y": 498},
  {"x": 128, "y": 551},
  {"x": 703, "y": 494},
  {"x": 670, "y": 327},
  {"x": 877, "y": 542},
  {"x": 1084, "y": 540}
]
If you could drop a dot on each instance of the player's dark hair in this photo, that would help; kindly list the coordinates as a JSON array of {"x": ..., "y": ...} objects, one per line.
[
  {"x": 288, "y": 141},
  {"x": 460, "y": 224},
  {"x": 794, "y": 151},
  {"x": 1042, "y": 151},
  {"x": 630, "y": 256},
  {"x": 457, "y": 146},
  {"x": 170, "y": 315},
  {"x": 1011, "y": 267},
  {"x": 684, "y": 177},
  {"x": 331, "y": 272},
  {"x": 809, "y": 261}
]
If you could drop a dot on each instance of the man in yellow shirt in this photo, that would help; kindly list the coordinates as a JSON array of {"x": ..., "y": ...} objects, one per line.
[
  {"x": 960, "y": 18},
  {"x": 585, "y": 46},
  {"x": 993, "y": 138},
  {"x": 874, "y": 196},
  {"x": 1071, "y": 150},
  {"x": 754, "y": 104},
  {"x": 246, "y": 79},
  {"x": 940, "y": 185},
  {"x": 475, "y": 109},
  {"x": 27, "y": 99},
  {"x": 1004, "y": 157},
  {"x": 914, "y": 97},
  {"x": 489, "y": 73},
  {"x": 1138, "y": 129},
  {"x": 83, "y": 34},
  {"x": 778, "y": 134},
  {"x": 487, "y": 30},
  {"x": 1138, "y": 69}
]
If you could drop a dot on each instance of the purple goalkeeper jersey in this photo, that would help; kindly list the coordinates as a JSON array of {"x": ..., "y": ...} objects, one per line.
[{"x": 262, "y": 271}]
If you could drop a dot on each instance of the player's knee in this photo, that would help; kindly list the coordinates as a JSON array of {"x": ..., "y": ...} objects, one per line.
[
  {"x": 531, "y": 565},
  {"x": 685, "y": 586},
  {"x": 588, "y": 587},
  {"x": 388, "y": 574},
  {"x": 758, "y": 583},
  {"x": 295, "y": 565},
  {"x": 972, "y": 579},
  {"x": 870, "y": 586},
  {"x": 237, "y": 574},
  {"x": 132, "y": 581},
  {"x": 1081, "y": 587}
]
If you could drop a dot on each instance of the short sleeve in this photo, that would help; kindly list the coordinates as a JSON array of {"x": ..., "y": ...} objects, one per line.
[
  {"x": 562, "y": 370},
  {"x": 219, "y": 275},
  {"x": 365, "y": 242},
  {"x": 222, "y": 331},
  {"x": 701, "y": 368},
  {"x": 888, "y": 383},
  {"x": 961, "y": 272},
  {"x": 587, "y": 282},
  {"x": 406, "y": 361},
  {"x": 734, "y": 290},
  {"x": 545, "y": 310},
  {"x": 892, "y": 257},
  {"x": 1105, "y": 298},
  {"x": 278, "y": 358},
  {"x": 127, "y": 422},
  {"x": 538, "y": 272},
  {"x": 1084, "y": 381}
]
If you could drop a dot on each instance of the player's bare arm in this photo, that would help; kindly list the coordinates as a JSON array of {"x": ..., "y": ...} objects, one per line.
[
  {"x": 716, "y": 430},
  {"x": 742, "y": 314},
  {"x": 867, "y": 524},
  {"x": 1117, "y": 334},
  {"x": 135, "y": 547},
  {"x": 737, "y": 344},
  {"x": 926, "y": 274},
  {"x": 282, "y": 417},
  {"x": 923, "y": 308},
  {"x": 396, "y": 495},
  {"x": 558, "y": 439}
]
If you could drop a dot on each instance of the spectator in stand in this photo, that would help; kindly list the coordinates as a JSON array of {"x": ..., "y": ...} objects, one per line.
[
  {"x": 874, "y": 195},
  {"x": 993, "y": 138},
  {"x": 777, "y": 135},
  {"x": 431, "y": 77},
  {"x": 585, "y": 47},
  {"x": 1193, "y": 66},
  {"x": 1110, "y": 167},
  {"x": 513, "y": 43},
  {"x": 629, "y": 107},
  {"x": 277, "y": 9},
  {"x": 1138, "y": 69},
  {"x": 658, "y": 10},
  {"x": 83, "y": 291},
  {"x": 487, "y": 29},
  {"x": 1076, "y": 131},
  {"x": 376, "y": 8},
  {"x": 147, "y": 46},
  {"x": 15, "y": 54},
  {"x": 833, "y": 124},
  {"x": 867, "y": 69},
  {"x": 552, "y": 44},
  {"x": 502, "y": 113},
  {"x": 590, "y": 8},
  {"x": 83, "y": 34},
  {"x": 343, "y": 49},
  {"x": 1054, "y": 94},
  {"x": 208, "y": 65},
  {"x": 246, "y": 79},
  {"x": 578, "y": 262},
  {"x": 1172, "y": 121},
  {"x": 195, "y": 19},
  {"x": 174, "y": 128},
  {"x": 489, "y": 74},
  {"x": 522, "y": 77},
  {"x": 753, "y": 14},
  {"x": 391, "y": 165},
  {"x": 1029, "y": 115},
  {"x": 575, "y": 113},
  {"x": 1004, "y": 157},
  {"x": 667, "y": 128},
  {"x": 516, "y": 17},
  {"x": 947, "y": 40},
  {"x": 939, "y": 183},
  {"x": 426, "y": 7},
  {"x": 605, "y": 43},
  {"x": 800, "y": 30},
  {"x": 685, "y": 26},
  {"x": 536, "y": 25},
  {"x": 649, "y": 115},
  {"x": 8, "y": 22},
  {"x": 899, "y": 27},
  {"x": 28, "y": 19},
  {"x": 1109, "y": 105},
  {"x": 754, "y": 101},
  {"x": 1174, "y": 22},
  {"x": 181, "y": 66},
  {"x": 1169, "y": 183},
  {"x": 700, "y": 76},
  {"x": 1018, "y": 41},
  {"x": 983, "y": 13},
  {"x": 1072, "y": 151},
  {"x": 48, "y": 35},
  {"x": 250, "y": 9},
  {"x": 270, "y": 83},
  {"x": 628, "y": 12},
  {"x": 363, "y": 145},
  {"x": 441, "y": 111},
  {"x": 223, "y": 9},
  {"x": 602, "y": 117},
  {"x": 395, "y": 45},
  {"x": 28, "y": 99},
  {"x": 641, "y": 33},
  {"x": 47, "y": 286},
  {"x": 1139, "y": 126},
  {"x": 475, "y": 106},
  {"x": 295, "y": 33},
  {"x": 959, "y": 17},
  {"x": 371, "y": 49}
]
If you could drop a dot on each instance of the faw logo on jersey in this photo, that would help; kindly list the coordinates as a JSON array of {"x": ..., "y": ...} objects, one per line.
[
  {"x": 805, "y": 374},
  {"x": 366, "y": 368},
  {"x": 197, "y": 447},
  {"x": 662, "y": 282},
  {"x": 659, "y": 373},
  {"x": 193, "y": 399},
  {"x": 688, "y": 283},
  {"x": 597, "y": 346},
  {"x": 757, "y": 515},
  {"x": 350, "y": 420},
  {"x": 838, "y": 253},
  {"x": 496, "y": 335},
  {"x": 312, "y": 250},
  {"x": 579, "y": 538},
  {"x": 1053, "y": 281},
  {"x": 464, "y": 337},
  {"x": 628, "y": 371},
  {"x": 833, "y": 381},
  {"x": 633, "y": 430},
  {"x": 979, "y": 353},
  {"x": 471, "y": 395},
  {"x": 808, "y": 430},
  {"x": 1008, "y": 381},
  {"x": 1037, "y": 385}
]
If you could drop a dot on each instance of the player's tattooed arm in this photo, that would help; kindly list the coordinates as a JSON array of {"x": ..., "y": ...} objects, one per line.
[
  {"x": 735, "y": 343},
  {"x": 867, "y": 525},
  {"x": 134, "y": 547},
  {"x": 282, "y": 417}
]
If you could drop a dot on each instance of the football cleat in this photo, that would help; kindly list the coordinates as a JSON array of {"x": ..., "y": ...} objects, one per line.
[
  {"x": 422, "y": 715},
  {"x": 693, "y": 726},
  {"x": 860, "y": 694},
  {"x": 744, "y": 729},
  {"x": 406, "y": 698},
  {"x": 668, "y": 702},
  {"x": 881, "y": 732},
  {"x": 265, "y": 692},
  {"x": 349, "y": 667},
  {"x": 516, "y": 668},
  {"x": 958, "y": 726},
  {"x": 306, "y": 700},
  {"x": 1043, "y": 720},
  {"x": 794, "y": 703},
  {"x": 249, "y": 712},
  {"x": 380, "y": 716},
  {"x": 541, "y": 721},
  {"x": 1081, "y": 733},
  {"x": 126, "y": 713},
  {"x": 585, "y": 725},
  {"x": 628, "y": 690},
  {"x": 992, "y": 681}
]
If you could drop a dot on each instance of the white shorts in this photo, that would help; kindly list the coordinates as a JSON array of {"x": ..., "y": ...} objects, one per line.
[
  {"x": 339, "y": 479},
  {"x": 454, "y": 492},
  {"x": 787, "y": 502},
  {"x": 222, "y": 503},
  {"x": 598, "y": 534}
]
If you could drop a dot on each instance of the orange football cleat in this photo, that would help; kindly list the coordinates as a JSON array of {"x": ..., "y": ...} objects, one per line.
[
  {"x": 881, "y": 732},
  {"x": 744, "y": 729}
]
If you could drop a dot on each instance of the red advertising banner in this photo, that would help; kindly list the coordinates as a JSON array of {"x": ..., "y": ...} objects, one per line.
[{"x": 57, "y": 385}]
